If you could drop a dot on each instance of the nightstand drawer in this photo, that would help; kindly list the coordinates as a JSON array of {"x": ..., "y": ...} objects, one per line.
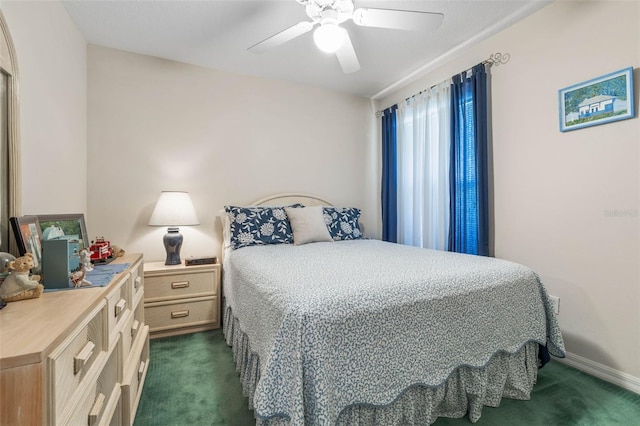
[
  {"x": 175, "y": 286},
  {"x": 181, "y": 299},
  {"x": 77, "y": 359},
  {"x": 167, "y": 315}
]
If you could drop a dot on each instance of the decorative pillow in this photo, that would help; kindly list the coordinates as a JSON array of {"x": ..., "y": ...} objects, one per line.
[
  {"x": 343, "y": 223},
  {"x": 258, "y": 226},
  {"x": 308, "y": 225}
]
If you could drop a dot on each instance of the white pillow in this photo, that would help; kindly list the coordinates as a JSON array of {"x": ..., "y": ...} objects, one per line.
[{"x": 307, "y": 224}]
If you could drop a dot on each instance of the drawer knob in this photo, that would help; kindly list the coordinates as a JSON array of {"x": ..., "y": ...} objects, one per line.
[
  {"x": 180, "y": 284},
  {"x": 83, "y": 356},
  {"x": 94, "y": 414},
  {"x": 141, "y": 370},
  {"x": 180, "y": 314},
  {"x": 120, "y": 307},
  {"x": 137, "y": 282},
  {"x": 134, "y": 328}
]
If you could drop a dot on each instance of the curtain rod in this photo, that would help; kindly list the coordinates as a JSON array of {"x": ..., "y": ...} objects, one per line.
[{"x": 494, "y": 60}]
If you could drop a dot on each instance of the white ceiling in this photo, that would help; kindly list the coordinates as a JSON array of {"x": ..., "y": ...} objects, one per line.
[{"x": 217, "y": 33}]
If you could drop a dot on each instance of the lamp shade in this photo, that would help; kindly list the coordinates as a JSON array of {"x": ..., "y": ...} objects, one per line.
[{"x": 174, "y": 208}]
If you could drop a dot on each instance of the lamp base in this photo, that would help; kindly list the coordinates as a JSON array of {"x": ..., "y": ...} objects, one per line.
[{"x": 172, "y": 244}]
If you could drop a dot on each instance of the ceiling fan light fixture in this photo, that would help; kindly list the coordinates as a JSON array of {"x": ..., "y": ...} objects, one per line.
[
  {"x": 359, "y": 17},
  {"x": 329, "y": 37}
]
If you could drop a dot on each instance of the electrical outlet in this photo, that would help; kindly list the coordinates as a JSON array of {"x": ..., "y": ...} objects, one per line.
[{"x": 555, "y": 304}]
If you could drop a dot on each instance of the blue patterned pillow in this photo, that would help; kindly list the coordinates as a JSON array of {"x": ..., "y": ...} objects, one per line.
[
  {"x": 343, "y": 223},
  {"x": 251, "y": 226}
]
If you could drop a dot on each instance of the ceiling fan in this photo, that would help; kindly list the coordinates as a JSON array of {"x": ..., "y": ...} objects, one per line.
[{"x": 330, "y": 37}]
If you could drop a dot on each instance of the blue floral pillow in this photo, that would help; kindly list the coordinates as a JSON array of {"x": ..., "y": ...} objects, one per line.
[
  {"x": 251, "y": 226},
  {"x": 343, "y": 223}
]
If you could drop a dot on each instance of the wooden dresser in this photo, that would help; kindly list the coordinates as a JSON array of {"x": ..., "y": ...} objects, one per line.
[
  {"x": 181, "y": 299},
  {"x": 76, "y": 357}
]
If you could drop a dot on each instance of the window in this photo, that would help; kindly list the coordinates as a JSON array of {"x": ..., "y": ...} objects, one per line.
[
  {"x": 423, "y": 168},
  {"x": 442, "y": 167},
  {"x": 466, "y": 176}
]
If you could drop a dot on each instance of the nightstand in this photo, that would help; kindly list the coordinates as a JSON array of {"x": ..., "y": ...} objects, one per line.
[{"x": 181, "y": 299}]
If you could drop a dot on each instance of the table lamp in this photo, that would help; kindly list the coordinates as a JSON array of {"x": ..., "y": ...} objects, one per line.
[{"x": 173, "y": 209}]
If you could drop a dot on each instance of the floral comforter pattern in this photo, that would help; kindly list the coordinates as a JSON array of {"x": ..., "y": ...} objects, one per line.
[{"x": 338, "y": 324}]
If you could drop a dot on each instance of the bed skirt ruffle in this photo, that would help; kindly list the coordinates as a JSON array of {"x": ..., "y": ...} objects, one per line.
[{"x": 465, "y": 392}]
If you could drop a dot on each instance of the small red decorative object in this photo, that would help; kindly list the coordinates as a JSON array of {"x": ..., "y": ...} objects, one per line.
[{"x": 101, "y": 250}]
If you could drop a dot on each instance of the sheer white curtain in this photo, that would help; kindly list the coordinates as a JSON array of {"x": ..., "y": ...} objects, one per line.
[{"x": 424, "y": 140}]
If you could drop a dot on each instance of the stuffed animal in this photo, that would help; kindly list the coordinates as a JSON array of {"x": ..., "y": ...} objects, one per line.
[
  {"x": 78, "y": 278},
  {"x": 85, "y": 260},
  {"x": 18, "y": 285},
  {"x": 117, "y": 251}
]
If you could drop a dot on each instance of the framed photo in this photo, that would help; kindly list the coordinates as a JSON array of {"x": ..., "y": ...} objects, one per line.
[
  {"x": 598, "y": 101},
  {"x": 64, "y": 227},
  {"x": 26, "y": 230}
]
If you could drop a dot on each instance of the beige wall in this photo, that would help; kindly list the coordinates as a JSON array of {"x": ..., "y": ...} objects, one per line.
[
  {"x": 555, "y": 192},
  {"x": 159, "y": 125},
  {"x": 52, "y": 57}
]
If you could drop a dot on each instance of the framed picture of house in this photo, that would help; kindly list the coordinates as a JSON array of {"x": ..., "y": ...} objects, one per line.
[{"x": 598, "y": 101}]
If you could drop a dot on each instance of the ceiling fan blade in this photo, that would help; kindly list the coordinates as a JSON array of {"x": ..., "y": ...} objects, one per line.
[
  {"x": 398, "y": 19},
  {"x": 347, "y": 56},
  {"x": 282, "y": 37}
]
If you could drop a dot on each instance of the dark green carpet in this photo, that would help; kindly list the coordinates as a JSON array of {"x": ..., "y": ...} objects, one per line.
[{"x": 192, "y": 381}]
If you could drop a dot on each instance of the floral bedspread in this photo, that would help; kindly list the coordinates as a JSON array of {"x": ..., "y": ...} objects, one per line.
[{"x": 337, "y": 324}]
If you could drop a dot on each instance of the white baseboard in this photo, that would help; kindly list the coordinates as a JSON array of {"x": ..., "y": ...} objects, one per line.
[{"x": 624, "y": 380}]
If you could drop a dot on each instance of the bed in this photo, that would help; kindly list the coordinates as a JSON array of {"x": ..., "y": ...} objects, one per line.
[{"x": 360, "y": 331}]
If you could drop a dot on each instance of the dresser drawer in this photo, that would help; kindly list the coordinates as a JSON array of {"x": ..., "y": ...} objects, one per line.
[
  {"x": 127, "y": 336},
  {"x": 138, "y": 321},
  {"x": 118, "y": 306},
  {"x": 137, "y": 283},
  {"x": 167, "y": 315},
  {"x": 77, "y": 359},
  {"x": 116, "y": 416},
  {"x": 134, "y": 378},
  {"x": 172, "y": 286},
  {"x": 132, "y": 330},
  {"x": 100, "y": 400}
]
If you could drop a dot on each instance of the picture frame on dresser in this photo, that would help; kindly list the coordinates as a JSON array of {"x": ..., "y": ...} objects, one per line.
[
  {"x": 26, "y": 230},
  {"x": 64, "y": 226}
]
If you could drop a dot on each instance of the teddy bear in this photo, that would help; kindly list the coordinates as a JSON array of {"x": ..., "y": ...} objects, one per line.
[
  {"x": 117, "y": 251},
  {"x": 19, "y": 285}
]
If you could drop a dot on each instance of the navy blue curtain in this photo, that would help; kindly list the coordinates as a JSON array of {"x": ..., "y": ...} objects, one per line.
[
  {"x": 389, "y": 176},
  {"x": 469, "y": 222}
]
